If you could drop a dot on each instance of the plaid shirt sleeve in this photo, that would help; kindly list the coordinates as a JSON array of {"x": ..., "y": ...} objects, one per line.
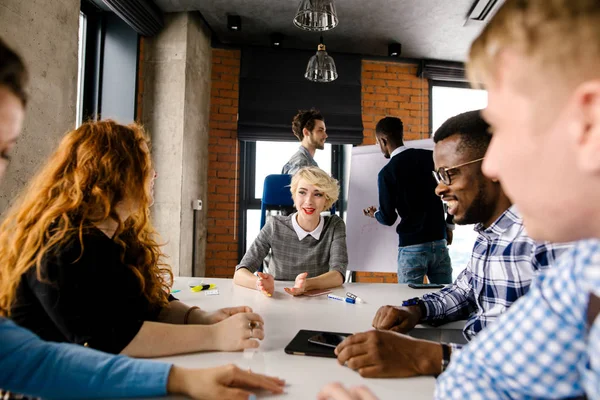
[
  {"x": 454, "y": 302},
  {"x": 540, "y": 347},
  {"x": 259, "y": 248}
]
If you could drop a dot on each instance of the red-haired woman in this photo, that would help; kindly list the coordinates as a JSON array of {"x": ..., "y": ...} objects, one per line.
[{"x": 80, "y": 262}]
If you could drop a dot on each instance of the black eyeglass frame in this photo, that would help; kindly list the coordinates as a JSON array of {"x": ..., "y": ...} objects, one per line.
[{"x": 442, "y": 175}]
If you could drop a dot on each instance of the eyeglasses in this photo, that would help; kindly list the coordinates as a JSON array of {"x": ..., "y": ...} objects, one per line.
[{"x": 442, "y": 175}]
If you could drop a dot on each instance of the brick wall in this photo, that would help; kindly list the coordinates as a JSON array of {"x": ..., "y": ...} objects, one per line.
[
  {"x": 393, "y": 89},
  {"x": 223, "y": 167}
]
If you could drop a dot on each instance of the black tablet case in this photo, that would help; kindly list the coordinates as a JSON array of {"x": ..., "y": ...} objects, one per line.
[{"x": 301, "y": 347}]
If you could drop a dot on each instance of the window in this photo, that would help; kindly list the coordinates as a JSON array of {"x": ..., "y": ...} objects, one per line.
[
  {"x": 107, "y": 74},
  {"x": 448, "y": 100},
  {"x": 263, "y": 158},
  {"x": 80, "y": 67}
]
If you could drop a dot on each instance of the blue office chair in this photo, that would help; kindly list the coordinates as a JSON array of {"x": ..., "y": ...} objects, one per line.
[{"x": 276, "y": 195}]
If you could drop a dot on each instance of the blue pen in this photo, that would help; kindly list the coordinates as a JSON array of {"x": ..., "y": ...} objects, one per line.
[{"x": 340, "y": 298}]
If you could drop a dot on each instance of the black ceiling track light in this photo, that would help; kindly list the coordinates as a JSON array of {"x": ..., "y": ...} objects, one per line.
[
  {"x": 234, "y": 23},
  {"x": 394, "y": 49}
]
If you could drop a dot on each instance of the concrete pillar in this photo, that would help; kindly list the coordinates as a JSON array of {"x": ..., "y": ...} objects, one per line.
[
  {"x": 44, "y": 33},
  {"x": 175, "y": 110}
]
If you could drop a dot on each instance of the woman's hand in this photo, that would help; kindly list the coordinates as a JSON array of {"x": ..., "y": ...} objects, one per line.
[
  {"x": 299, "y": 285},
  {"x": 208, "y": 318},
  {"x": 265, "y": 284},
  {"x": 224, "y": 382},
  {"x": 238, "y": 332}
]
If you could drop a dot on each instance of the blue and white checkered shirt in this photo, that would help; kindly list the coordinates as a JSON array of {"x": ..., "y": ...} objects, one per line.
[
  {"x": 503, "y": 263},
  {"x": 541, "y": 347}
]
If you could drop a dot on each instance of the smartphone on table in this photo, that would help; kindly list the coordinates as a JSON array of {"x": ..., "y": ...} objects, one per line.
[
  {"x": 327, "y": 339},
  {"x": 425, "y": 285}
]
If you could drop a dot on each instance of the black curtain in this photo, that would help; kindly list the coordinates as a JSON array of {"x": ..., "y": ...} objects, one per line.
[{"x": 273, "y": 89}]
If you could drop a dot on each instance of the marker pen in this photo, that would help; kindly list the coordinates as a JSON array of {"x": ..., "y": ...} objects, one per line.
[
  {"x": 355, "y": 297},
  {"x": 340, "y": 298},
  {"x": 203, "y": 287}
]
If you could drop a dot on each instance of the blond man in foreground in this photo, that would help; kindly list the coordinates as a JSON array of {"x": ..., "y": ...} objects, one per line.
[{"x": 539, "y": 60}]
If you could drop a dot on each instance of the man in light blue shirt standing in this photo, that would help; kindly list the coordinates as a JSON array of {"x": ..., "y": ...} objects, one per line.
[
  {"x": 544, "y": 113},
  {"x": 309, "y": 127}
]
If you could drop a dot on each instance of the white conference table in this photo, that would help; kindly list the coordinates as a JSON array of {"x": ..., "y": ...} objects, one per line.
[{"x": 285, "y": 315}]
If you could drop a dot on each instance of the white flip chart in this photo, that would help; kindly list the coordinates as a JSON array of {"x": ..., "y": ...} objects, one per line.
[{"x": 372, "y": 246}]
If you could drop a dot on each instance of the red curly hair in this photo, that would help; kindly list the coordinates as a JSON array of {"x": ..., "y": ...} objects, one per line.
[{"x": 95, "y": 168}]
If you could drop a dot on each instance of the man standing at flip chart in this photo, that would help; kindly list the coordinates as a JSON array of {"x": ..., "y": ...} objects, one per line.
[{"x": 407, "y": 189}]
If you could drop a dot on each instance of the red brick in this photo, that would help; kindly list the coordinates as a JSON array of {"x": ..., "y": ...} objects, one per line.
[
  {"x": 384, "y": 75},
  {"x": 230, "y": 61},
  {"x": 222, "y": 69},
  {"x": 373, "y": 67},
  {"x": 224, "y": 271},
  {"x": 403, "y": 84},
  {"x": 221, "y": 117},
  {"x": 227, "y": 158},
  {"x": 386, "y": 90},
  {"x": 222, "y": 85},
  {"x": 401, "y": 69},
  {"x": 224, "y": 189},
  {"x": 228, "y": 110},
  {"x": 374, "y": 97},
  {"x": 230, "y": 126},
  {"x": 370, "y": 279},
  {"x": 413, "y": 106},
  {"x": 221, "y": 101},
  {"x": 387, "y": 104},
  {"x": 232, "y": 94},
  {"x": 412, "y": 92}
]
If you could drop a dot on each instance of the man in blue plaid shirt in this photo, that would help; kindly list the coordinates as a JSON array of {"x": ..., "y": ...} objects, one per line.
[
  {"x": 503, "y": 262},
  {"x": 539, "y": 61}
]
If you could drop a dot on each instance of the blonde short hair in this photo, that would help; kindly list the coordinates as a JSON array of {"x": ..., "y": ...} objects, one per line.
[
  {"x": 556, "y": 35},
  {"x": 321, "y": 180}
]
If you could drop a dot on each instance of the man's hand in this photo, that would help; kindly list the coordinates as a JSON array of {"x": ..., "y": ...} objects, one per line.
[
  {"x": 209, "y": 318},
  {"x": 370, "y": 211},
  {"x": 265, "y": 284},
  {"x": 299, "y": 285},
  {"x": 384, "y": 354},
  {"x": 449, "y": 236},
  {"x": 220, "y": 383},
  {"x": 336, "y": 391},
  {"x": 397, "y": 319}
]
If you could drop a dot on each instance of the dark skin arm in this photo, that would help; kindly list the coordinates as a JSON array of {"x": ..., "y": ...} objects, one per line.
[
  {"x": 397, "y": 319},
  {"x": 384, "y": 354}
]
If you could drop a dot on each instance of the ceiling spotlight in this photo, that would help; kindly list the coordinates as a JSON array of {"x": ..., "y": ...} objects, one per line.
[
  {"x": 234, "y": 23},
  {"x": 276, "y": 39},
  {"x": 394, "y": 49},
  {"x": 316, "y": 15}
]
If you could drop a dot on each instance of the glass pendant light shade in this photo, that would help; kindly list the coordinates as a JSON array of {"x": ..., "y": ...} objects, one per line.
[
  {"x": 316, "y": 15},
  {"x": 321, "y": 67}
]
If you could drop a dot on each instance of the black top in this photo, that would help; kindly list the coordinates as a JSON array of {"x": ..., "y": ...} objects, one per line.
[
  {"x": 406, "y": 186},
  {"x": 94, "y": 299}
]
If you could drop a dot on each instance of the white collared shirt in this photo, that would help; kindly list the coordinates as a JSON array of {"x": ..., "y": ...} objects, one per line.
[
  {"x": 302, "y": 233},
  {"x": 397, "y": 151}
]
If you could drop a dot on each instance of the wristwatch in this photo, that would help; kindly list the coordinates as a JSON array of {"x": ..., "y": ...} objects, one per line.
[
  {"x": 415, "y": 301},
  {"x": 446, "y": 351}
]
